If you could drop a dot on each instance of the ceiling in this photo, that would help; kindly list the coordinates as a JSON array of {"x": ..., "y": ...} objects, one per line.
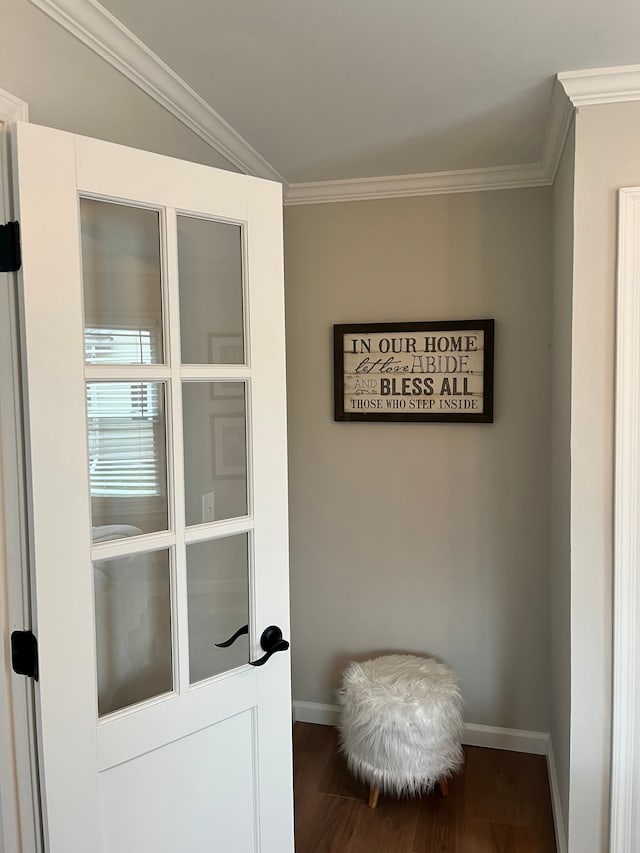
[{"x": 344, "y": 89}]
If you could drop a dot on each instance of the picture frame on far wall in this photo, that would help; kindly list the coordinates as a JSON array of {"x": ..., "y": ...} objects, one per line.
[
  {"x": 439, "y": 371},
  {"x": 229, "y": 446},
  {"x": 225, "y": 349},
  {"x": 223, "y": 389}
]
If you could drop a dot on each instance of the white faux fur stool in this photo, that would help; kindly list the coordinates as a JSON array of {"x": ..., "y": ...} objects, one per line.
[{"x": 401, "y": 724}]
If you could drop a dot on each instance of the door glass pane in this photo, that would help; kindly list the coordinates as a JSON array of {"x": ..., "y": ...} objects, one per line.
[
  {"x": 210, "y": 281},
  {"x": 218, "y": 594},
  {"x": 127, "y": 458},
  {"x": 122, "y": 283},
  {"x": 215, "y": 450},
  {"x": 133, "y": 629}
]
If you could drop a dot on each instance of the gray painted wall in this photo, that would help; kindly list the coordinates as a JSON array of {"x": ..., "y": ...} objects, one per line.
[
  {"x": 427, "y": 538},
  {"x": 561, "y": 469},
  {"x": 71, "y": 88},
  {"x": 607, "y": 158}
]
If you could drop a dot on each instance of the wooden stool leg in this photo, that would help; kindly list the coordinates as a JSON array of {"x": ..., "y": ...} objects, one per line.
[
  {"x": 443, "y": 784},
  {"x": 374, "y": 792}
]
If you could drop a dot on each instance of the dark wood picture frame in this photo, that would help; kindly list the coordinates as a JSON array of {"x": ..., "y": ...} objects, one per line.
[{"x": 418, "y": 392}]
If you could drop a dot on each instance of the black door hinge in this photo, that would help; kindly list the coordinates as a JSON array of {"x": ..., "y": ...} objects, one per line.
[
  {"x": 10, "y": 257},
  {"x": 24, "y": 654}
]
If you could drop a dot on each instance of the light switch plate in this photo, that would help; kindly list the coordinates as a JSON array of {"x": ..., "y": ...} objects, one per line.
[{"x": 208, "y": 507}]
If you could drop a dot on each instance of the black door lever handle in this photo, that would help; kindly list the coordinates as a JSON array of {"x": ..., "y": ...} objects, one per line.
[
  {"x": 233, "y": 638},
  {"x": 272, "y": 642}
]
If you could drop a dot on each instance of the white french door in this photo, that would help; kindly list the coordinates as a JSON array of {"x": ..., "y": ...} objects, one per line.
[{"x": 153, "y": 338}]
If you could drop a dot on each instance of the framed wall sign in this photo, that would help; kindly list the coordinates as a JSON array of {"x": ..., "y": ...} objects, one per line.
[
  {"x": 440, "y": 371},
  {"x": 229, "y": 446}
]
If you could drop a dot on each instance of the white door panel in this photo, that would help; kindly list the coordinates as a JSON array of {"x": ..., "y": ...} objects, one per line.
[
  {"x": 192, "y": 805},
  {"x": 157, "y": 465}
]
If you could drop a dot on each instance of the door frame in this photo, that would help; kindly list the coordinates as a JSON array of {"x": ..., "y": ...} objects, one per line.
[
  {"x": 625, "y": 759},
  {"x": 20, "y": 827}
]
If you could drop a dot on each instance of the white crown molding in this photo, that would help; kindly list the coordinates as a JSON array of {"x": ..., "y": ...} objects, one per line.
[
  {"x": 103, "y": 33},
  {"x": 558, "y": 124},
  {"x": 12, "y": 108},
  {"x": 430, "y": 183},
  {"x": 614, "y": 85},
  {"x": 461, "y": 181}
]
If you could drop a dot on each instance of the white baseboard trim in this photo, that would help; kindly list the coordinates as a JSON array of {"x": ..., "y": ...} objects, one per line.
[
  {"x": 492, "y": 737},
  {"x": 558, "y": 820},
  {"x": 514, "y": 740},
  {"x": 315, "y": 712}
]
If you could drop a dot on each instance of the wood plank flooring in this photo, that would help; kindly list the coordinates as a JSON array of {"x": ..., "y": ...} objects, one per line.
[{"x": 499, "y": 803}]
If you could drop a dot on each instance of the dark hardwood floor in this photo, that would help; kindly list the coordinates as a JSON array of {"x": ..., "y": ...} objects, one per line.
[{"x": 499, "y": 803}]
